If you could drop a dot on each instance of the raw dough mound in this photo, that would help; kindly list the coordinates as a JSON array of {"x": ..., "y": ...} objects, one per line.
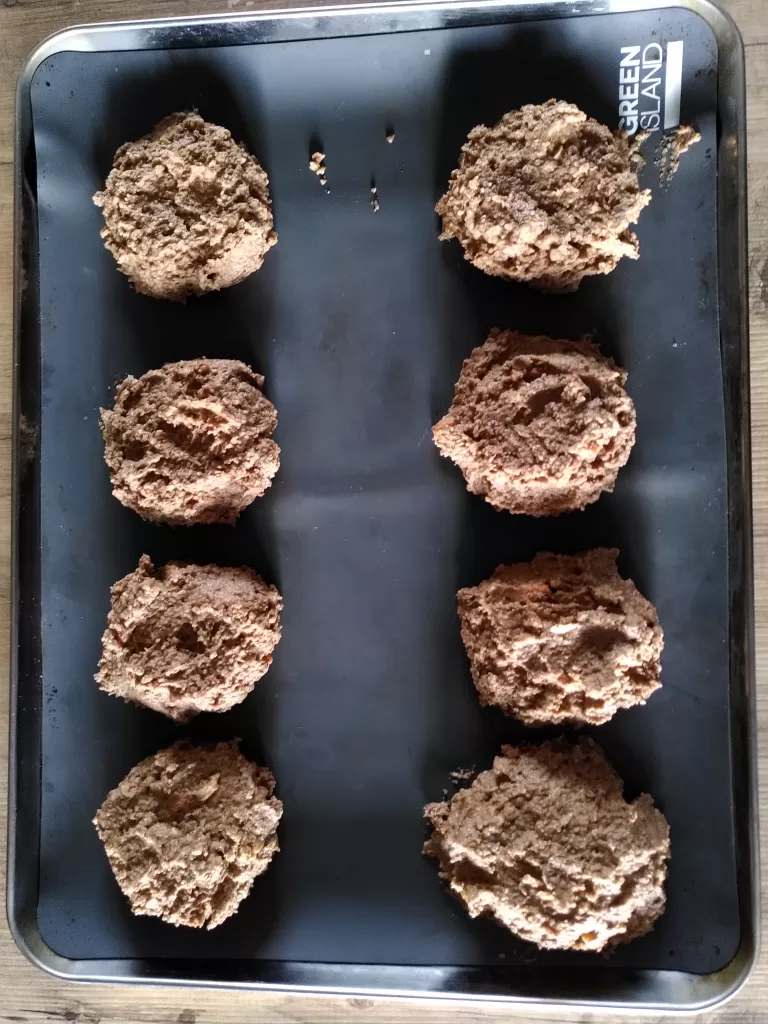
[
  {"x": 186, "y": 209},
  {"x": 538, "y": 426},
  {"x": 545, "y": 843},
  {"x": 561, "y": 639},
  {"x": 188, "y": 830},
  {"x": 188, "y": 638},
  {"x": 191, "y": 442},
  {"x": 544, "y": 196}
]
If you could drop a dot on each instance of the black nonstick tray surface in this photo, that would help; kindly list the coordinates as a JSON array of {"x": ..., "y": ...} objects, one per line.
[{"x": 360, "y": 322}]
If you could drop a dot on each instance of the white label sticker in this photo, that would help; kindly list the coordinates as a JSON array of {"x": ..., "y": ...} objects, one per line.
[
  {"x": 673, "y": 83},
  {"x": 644, "y": 84}
]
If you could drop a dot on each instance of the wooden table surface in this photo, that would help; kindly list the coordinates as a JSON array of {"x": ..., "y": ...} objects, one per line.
[{"x": 26, "y": 994}]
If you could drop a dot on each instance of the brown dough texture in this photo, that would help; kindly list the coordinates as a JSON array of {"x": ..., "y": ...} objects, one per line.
[
  {"x": 191, "y": 442},
  {"x": 188, "y": 830},
  {"x": 545, "y": 196},
  {"x": 545, "y": 843},
  {"x": 538, "y": 426},
  {"x": 561, "y": 639},
  {"x": 188, "y": 638},
  {"x": 186, "y": 209}
]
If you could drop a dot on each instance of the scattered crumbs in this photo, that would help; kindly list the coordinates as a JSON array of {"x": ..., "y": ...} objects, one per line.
[
  {"x": 672, "y": 146},
  {"x": 427, "y": 53},
  {"x": 317, "y": 164},
  {"x": 636, "y": 159},
  {"x": 390, "y": 137},
  {"x": 27, "y": 441},
  {"x": 375, "y": 205},
  {"x": 462, "y": 775}
]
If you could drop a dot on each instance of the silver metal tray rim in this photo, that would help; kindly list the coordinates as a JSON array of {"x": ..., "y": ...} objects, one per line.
[{"x": 649, "y": 991}]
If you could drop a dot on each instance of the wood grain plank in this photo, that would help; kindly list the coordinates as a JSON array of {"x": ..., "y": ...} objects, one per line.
[{"x": 27, "y": 995}]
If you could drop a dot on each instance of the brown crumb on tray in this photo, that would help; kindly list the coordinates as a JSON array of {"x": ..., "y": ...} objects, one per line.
[
  {"x": 546, "y": 845},
  {"x": 317, "y": 166},
  {"x": 672, "y": 146},
  {"x": 390, "y": 137}
]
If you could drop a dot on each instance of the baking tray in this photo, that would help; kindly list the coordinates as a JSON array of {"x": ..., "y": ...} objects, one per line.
[{"x": 360, "y": 322}]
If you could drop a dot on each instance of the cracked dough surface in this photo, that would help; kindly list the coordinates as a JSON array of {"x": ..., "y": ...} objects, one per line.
[
  {"x": 191, "y": 442},
  {"x": 188, "y": 830},
  {"x": 186, "y": 209},
  {"x": 545, "y": 843},
  {"x": 545, "y": 196},
  {"x": 184, "y": 639},
  {"x": 561, "y": 639},
  {"x": 538, "y": 426}
]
